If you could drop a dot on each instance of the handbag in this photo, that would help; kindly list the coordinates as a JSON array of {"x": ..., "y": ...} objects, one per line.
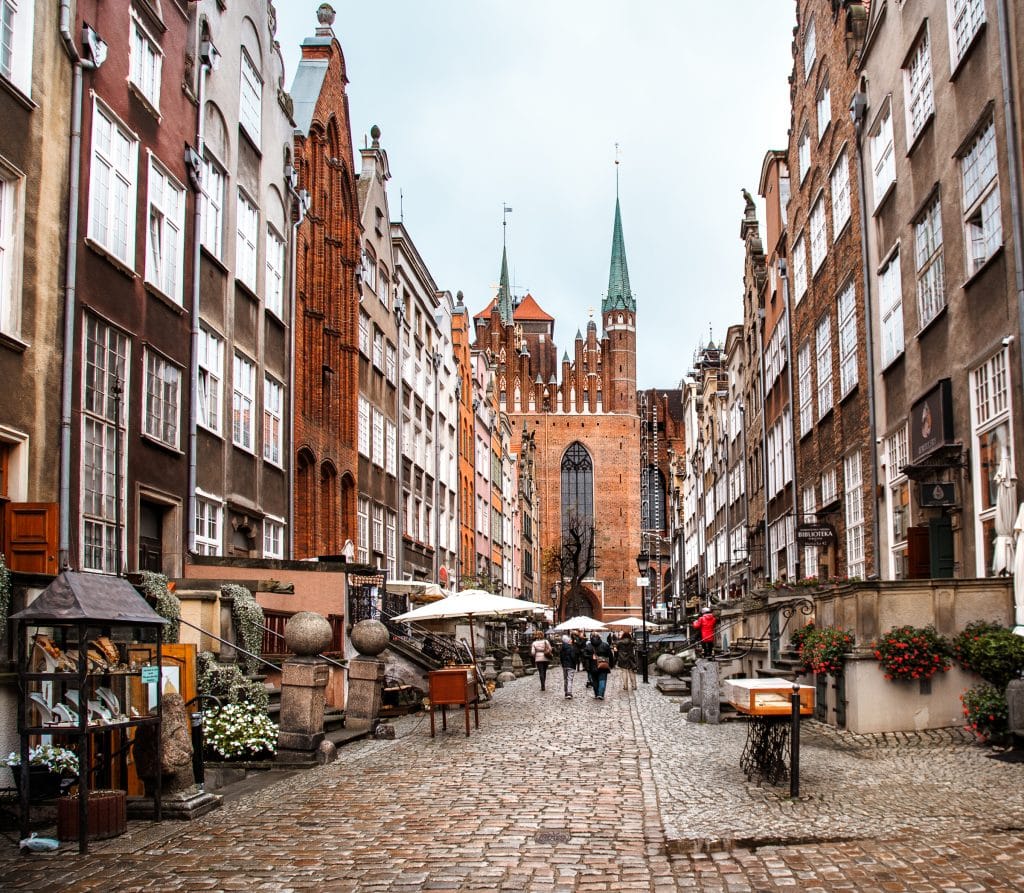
[{"x": 601, "y": 663}]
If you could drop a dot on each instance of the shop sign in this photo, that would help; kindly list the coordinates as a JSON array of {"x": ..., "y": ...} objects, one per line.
[
  {"x": 809, "y": 535},
  {"x": 935, "y": 493},
  {"x": 931, "y": 421}
]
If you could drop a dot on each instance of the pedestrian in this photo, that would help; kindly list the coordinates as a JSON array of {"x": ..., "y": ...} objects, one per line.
[
  {"x": 540, "y": 651},
  {"x": 582, "y": 661},
  {"x": 567, "y": 657},
  {"x": 705, "y": 625},
  {"x": 625, "y": 660},
  {"x": 599, "y": 654}
]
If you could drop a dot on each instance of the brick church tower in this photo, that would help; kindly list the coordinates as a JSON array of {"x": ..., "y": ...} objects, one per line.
[{"x": 581, "y": 415}]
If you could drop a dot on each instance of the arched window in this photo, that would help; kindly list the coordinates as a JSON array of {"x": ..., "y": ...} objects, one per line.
[
  {"x": 577, "y": 487},
  {"x": 654, "y": 509}
]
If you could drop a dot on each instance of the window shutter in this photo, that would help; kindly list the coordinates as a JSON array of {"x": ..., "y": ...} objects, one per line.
[{"x": 30, "y": 537}]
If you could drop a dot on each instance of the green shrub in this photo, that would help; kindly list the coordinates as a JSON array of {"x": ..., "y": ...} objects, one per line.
[
  {"x": 990, "y": 650},
  {"x": 228, "y": 684},
  {"x": 910, "y": 652},
  {"x": 247, "y": 619},
  {"x": 986, "y": 711},
  {"x": 823, "y": 650},
  {"x": 238, "y": 732},
  {"x": 797, "y": 637},
  {"x": 165, "y": 603}
]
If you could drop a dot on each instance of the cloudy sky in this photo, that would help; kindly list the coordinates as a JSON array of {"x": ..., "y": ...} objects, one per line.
[{"x": 483, "y": 103}]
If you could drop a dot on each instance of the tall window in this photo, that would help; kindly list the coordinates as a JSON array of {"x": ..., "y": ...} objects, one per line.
[
  {"x": 803, "y": 364},
  {"x": 245, "y": 250},
  {"x": 899, "y": 504},
  {"x": 275, "y": 274},
  {"x": 250, "y": 108},
  {"x": 828, "y": 487},
  {"x": 378, "y": 528},
  {"x": 213, "y": 208},
  {"x": 823, "y": 105},
  {"x": 983, "y": 226},
  {"x": 853, "y": 506},
  {"x": 273, "y": 413},
  {"x": 364, "y": 427},
  {"x": 273, "y": 539},
  {"x": 882, "y": 159},
  {"x": 16, "y": 41},
  {"x": 378, "y": 438},
  {"x": 145, "y": 62},
  {"x": 378, "y": 348},
  {"x": 106, "y": 364},
  {"x": 890, "y": 302},
  {"x": 840, "y": 182},
  {"x": 917, "y": 80},
  {"x": 391, "y": 448},
  {"x": 992, "y": 436},
  {"x": 803, "y": 154},
  {"x": 243, "y": 402},
  {"x": 165, "y": 242},
  {"x": 208, "y": 526},
  {"x": 799, "y": 269},
  {"x": 8, "y": 14},
  {"x": 10, "y": 253},
  {"x": 654, "y": 511},
  {"x": 823, "y": 349},
  {"x": 810, "y": 49},
  {"x": 847, "y": 317},
  {"x": 578, "y": 492},
  {"x": 931, "y": 285},
  {"x": 965, "y": 19},
  {"x": 809, "y": 509},
  {"x": 163, "y": 399},
  {"x": 363, "y": 530},
  {"x": 819, "y": 244},
  {"x": 390, "y": 543},
  {"x": 112, "y": 185},
  {"x": 389, "y": 362},
  {"x": 211, "y": 373},
  {"x": 364, "y": 333}
]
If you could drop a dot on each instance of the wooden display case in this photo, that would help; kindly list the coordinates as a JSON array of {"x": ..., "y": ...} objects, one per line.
[
  {"x": 767, "y": 697},
  {"x": 453, "y": 686}
]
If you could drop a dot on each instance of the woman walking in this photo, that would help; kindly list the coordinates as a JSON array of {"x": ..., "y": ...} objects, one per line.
[
  {"x": 568, "y": 657},
  {"x": 540, "y": 651},
  {"x": 625, "y": 660},
  {"x": 599, "y": 654}
]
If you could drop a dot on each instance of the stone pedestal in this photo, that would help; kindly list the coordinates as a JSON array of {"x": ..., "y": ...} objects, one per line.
[
  {"x": 365, "y": 683},
  {"x": 1015, "y": 703},
  {"x": 705, "y": 689},
  {"x": 303, "y": 695},
  {"x": 490, "y": 672},
  {"x": 517, "y": 665}
]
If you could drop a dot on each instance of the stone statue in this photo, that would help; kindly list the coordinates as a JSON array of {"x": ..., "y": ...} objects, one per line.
[
  {"x": 750, "y": 210},
  {"x": 176, "y": 766}
]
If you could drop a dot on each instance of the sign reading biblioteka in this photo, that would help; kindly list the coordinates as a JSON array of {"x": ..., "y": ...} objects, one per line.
[{"x": 815, "y": 534}]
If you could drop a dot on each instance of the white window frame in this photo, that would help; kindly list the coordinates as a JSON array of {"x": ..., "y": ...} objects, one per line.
[
  {"x": 918, "y": 88},
  {"x": 211, "y": 375},
  {"x": 890, "y": 308},
  {"x": 364, "y": 334},
  {"x": 145, "y": 61},
  {"x": 369, "y": 263},
  {"x": 247, "y": 225},
  {"x": 846, "y": 321},
  {"x": 377, "y": 446},
  {"x": 810, "y": 48},
  {"x": 113, "y": 185},
  {"x": 274, "y": 284},
  {"x": 883, "y": 159},
  {"x": 17, "y": 42},
  {"x": 805, "y": 388},
  {"x": 803, "y": 153},
  {"x": 363, "y": 530},
  {"x": 390, "y": 361},
  {"x": 214, "y": 191},
  {"x": 818, "y": 229},
  {"x": 391, "y": 543},
  {"x": 162, "y": 402},
  {"x": 364, "y": 427},
  {"x": 243, "y": 404},
  {"x": 965, "y": 20},
  {"x": 12, "y": 224},
  {"x": 209, "y": 532},
  {"x": 377, "y": 527},
  {"x": 897, "y": 456},
  {"x": 165, "y": 232},
  {"x": 273, "y": 418},
  {"x": 273, "y": 538},
  {"x": 823, "y": 108},
  {"x": 839, "y": 181},
  {"x": 799, "y": 264},
  {"x": 829, "y": 492},
  {"x": 853, "y": 513},
  {"x": 106, "y": 357},
  {"x": 378, "y": 348},
  {"x": 390, "y": 448},
  {"x": 983, "y": 225},
  {"x": 930, "y": 263},
  {"x": 250, "y": 98},
  {"x": 823, "y": 364}
]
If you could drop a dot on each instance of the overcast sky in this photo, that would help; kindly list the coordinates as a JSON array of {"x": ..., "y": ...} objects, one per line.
[{"x": 483, "y": 103}]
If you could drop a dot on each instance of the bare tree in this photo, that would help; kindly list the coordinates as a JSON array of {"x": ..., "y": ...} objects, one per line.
[{"x": 573, "y": 560}]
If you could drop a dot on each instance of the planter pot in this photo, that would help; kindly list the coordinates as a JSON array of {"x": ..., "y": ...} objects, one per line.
[
  {"x": 42, "y": 783},
  {"x": 107, "y": 815}
]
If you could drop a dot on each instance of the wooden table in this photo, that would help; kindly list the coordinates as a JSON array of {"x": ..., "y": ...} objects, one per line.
[{"x": 450, "y": 687}]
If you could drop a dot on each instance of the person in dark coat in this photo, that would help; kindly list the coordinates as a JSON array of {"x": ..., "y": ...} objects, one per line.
[
  {"x": 568, "y": 658},
  {"x": 625, "y": 660},
  {"x": 599, "y": 660}
]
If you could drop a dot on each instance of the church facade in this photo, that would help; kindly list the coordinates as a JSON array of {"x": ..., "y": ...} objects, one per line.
[{"x": 582, "y": 415}]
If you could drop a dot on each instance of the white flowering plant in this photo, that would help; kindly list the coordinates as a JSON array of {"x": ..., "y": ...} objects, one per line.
[
  {"x": 59, "y": 760},
  {"x": 237, "y": 732}
]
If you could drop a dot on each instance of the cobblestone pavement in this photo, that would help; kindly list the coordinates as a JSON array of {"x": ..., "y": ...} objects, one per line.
[{"x": 581, "y": 795}]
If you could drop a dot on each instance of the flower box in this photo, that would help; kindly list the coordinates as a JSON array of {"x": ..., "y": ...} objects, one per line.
[{"x": 108, "y": 815}]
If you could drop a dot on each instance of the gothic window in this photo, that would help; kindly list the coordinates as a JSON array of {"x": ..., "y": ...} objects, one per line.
[
  {"x": 654, "y": 509},
  {"x": 577, "y": 487}
]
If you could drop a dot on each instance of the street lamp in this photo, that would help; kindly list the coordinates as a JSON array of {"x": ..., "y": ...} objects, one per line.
[{"x": 643, "y": 564}]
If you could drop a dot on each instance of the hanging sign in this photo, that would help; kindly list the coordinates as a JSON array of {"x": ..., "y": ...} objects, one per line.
[
  {"x": 809, "y": 535},
  {"x": 934, "y": 493},
  {"x": 931, "y": 421}
]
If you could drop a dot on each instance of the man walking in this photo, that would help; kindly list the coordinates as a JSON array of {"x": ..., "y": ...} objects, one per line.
[{"x": 568, "y": 658}]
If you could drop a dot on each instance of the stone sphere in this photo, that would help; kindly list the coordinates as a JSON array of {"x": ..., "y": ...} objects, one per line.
[
  {"x": 325, "y": 14},
  {"x": 660, "y": 662},
  {"x": 370, "y": 637},
  {"x": 673, "y": 665},
  {"x": 307, "y": 633}
]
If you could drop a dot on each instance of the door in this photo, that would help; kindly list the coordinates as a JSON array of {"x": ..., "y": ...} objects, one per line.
[
  {"x": 919, "y": 560},
  {"x": 30, "y": 537},
  {"x": 773, "y": 638},
  {"x": 150, "y": 538},
  {"x": 940, "y": 536}
]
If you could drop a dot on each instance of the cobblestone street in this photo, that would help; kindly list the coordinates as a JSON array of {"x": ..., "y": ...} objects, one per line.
[{"x": 579, "y": 795}]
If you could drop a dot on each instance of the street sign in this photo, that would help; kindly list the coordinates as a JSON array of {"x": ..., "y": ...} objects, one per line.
[
  {"x": 642, "y": 581},
  {"x": 815, "y": 535}
]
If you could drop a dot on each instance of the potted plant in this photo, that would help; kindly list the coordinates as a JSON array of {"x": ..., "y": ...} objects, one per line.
[
  {"x": 241, "y": 731},
  {"x": 910, "y": 652},
  {"x": 48, "y": 766},
  {"x": 823, "y": 650},
  {"x": 986, "y": 712}
]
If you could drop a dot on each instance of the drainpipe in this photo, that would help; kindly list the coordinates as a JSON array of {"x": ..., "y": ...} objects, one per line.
[
  {"x": 1013, "y": 162},
  {"x": 70, "y": 277},
  {"x": 858, "y": 110},
  {"x": 197, "y": 241}
]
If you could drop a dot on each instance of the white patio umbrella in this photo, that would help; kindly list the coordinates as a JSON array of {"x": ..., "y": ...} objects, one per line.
[
  {"x": 1018, "y": 574},
  {"x": 1006, "y": 508},
  {"x": 631, "y": 622},
  {"x": 580, "y": 622},
  {"x": 470, "y": 603}
]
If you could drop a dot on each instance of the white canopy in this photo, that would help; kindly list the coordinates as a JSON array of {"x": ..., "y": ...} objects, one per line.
[
  {"x": 417, "y": 590},
  {"x": 1006, "y": 505},
  {"x": 632, "y": 622},
  {"x": 581, "y": 622},
  {"x": 470, "y": 603}
]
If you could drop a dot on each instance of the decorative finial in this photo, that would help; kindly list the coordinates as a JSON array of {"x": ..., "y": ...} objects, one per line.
[
  {"x": 325, "y": 15},
  {"x": 375, "y": 136}
]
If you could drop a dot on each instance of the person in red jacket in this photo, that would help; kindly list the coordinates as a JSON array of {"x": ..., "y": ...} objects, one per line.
[{"x": 706, "y": 624}]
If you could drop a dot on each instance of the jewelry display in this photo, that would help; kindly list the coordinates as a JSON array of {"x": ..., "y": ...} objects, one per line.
[
  {"x": 43, "y": 706},
  {"x": 65, "y": 715}
]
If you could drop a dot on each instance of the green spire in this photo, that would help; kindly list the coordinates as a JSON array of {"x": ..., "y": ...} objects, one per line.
[
  {"x": 504, "y": 291},
  {"x": 619, "y": 296}
]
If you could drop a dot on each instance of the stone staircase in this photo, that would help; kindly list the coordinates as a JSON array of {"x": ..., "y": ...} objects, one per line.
[
  {"x": 788, "y": 665},
  {"x": 334, "y": 718}
]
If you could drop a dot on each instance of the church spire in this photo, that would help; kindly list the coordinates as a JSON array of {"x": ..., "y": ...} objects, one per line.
[
  {"x": 504, "y": 291},
  {"x": 619, "y": 295}
]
